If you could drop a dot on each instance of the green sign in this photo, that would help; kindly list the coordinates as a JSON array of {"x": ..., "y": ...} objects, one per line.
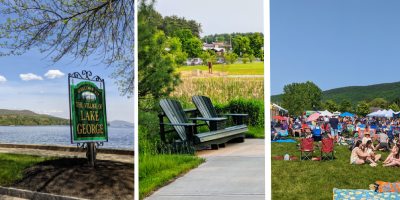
[{"x": 88, "y": 113}]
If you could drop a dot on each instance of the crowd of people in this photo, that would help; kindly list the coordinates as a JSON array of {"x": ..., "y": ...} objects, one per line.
[{"x": 361, "y": 133}]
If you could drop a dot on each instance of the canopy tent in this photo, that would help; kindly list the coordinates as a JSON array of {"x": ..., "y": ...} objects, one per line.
[
  {"x": 326, "y": 113},
  {"x": 337, "y": 113},
  {"x": 383, "y": 113},
  {"x": 280, "y": 117},
  {"x": 310, "y": 112},
  {"x": 279, "y": 108},
  {"x": 346, "y": 114}
]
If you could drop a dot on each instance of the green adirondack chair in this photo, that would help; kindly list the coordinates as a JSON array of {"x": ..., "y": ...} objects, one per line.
[
  {"x": 206, "y": 109},
  {"x": 187, "y": 127}
]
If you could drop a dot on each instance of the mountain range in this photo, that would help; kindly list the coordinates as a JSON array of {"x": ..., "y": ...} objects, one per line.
[
  {"x": 354, "y": 94},
  {"x": 30, "y": 118}
]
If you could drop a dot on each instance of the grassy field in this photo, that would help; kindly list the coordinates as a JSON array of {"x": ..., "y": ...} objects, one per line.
[
  {"x": 316, "y": 179},
  {"x": 157, "y": 170},
  {"x": 220, "y": 90},
  {"x": 12, "y": 166},
  {"x": 255, "y": 68}
]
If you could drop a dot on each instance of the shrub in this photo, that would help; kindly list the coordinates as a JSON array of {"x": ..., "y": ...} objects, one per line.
[{"x": 255, "y": 109}]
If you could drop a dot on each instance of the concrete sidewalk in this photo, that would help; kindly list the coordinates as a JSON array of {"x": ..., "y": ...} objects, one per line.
[{"x": 235, "y": 172}]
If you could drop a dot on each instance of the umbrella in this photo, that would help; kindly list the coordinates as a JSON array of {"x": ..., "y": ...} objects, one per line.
[
  {"x": 346, "y": 114},
  {"x": 326, "y": 113},
  {"x": 280, "y": 117},
  {"x": 313, "y": 117}
]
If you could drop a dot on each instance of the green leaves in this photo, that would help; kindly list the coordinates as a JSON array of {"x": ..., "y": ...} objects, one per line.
[{"x": 299, "y": 97}]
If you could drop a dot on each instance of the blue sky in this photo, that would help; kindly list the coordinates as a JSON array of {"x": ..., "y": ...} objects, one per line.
[
  {"x": 334, "y": 43},
  {"x": 222, "y": 16},
  {"x": 50, "y": 95}
]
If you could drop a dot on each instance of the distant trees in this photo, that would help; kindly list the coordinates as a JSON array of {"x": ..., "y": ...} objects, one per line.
[
  {"x": 345, "y": 106},
  {"x": 231, "y": 58},
  {"x": 298, "y": 97},
  {"x": 242, "y": 43},
  {"x": 331, "y": 105},
  {"x": 191, "y": 44},
  {"x": 362, "y": 108},
  {"x": 171, "y": 24}
]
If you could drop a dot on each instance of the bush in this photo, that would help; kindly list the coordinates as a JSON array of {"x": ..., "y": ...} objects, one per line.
[{"x": 255, "y": 109}]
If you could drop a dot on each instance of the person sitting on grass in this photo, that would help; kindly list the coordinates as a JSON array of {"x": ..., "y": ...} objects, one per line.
[
  {"x": 283, "y": 132},
  {"x": 359, "y": 157},
  {"x": 366, "y": 138},
  {"x": 370, "y": 150},
  {"x": 296, "y": 128},
  {"x": 393, "y": 152},
  {"x": 383, "y": 140},
  {"x": 394, "y": 157},
  {"x": 306, "y": 129}
]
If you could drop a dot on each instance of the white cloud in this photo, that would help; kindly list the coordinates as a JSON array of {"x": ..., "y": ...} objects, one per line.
[
  {"x": 54, "y": 73},
  {"x": 30, "y": 77},
  {"x": 2, "y": 79}
]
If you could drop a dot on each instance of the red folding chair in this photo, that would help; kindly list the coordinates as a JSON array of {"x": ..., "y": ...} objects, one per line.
[
  {"x": 327, "y": 149},
  {"x": 306, "y": 148}
]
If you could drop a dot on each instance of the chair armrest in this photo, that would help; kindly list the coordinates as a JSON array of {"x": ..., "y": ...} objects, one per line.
[
  {"x": 190, "y": 109},
  {"x": 180, "y": 124},
  {"x": 209, "y": 119},
  {"x": 236, "y": 115}
]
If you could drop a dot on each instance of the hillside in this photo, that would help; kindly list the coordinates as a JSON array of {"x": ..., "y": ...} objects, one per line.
[
  {"x": 28, "y": 118},
  {"x": 388, "y": 91}
]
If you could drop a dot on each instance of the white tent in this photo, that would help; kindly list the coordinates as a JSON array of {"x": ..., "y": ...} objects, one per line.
[
  {"x": 337, "y": 113},
  {"x": 389, "y": 113},
  {"x": 325, "y": 113}
]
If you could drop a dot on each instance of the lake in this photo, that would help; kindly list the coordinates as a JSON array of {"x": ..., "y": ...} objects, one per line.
[{"x": 118, "y": 138}]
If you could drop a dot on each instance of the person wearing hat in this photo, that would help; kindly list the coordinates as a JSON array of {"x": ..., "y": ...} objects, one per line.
[{"x": 366, "y": 138}]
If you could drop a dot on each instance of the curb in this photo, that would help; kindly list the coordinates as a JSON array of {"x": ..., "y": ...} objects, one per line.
[
  {"x": 27, "y": 194},
  {"x": 67, "y": 148}
]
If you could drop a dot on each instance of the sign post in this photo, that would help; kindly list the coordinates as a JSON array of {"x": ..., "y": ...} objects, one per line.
[{"x": 88, "y": 116}]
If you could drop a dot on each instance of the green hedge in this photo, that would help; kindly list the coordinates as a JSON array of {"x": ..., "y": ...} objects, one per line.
[{"x": 255, "y": 109}]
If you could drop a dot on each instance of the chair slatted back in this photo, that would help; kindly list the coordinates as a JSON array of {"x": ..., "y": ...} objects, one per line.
[
  {"x": 175, "y": 114},
  {"x": 205, "y": 106}
]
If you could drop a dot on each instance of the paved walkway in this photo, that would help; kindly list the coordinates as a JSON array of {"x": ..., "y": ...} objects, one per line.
[
  {"x": 52, "y": 153},
  {"x": 235, "y": 172}
]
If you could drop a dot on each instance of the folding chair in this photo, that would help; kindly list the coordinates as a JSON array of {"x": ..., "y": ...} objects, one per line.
[
  {"x": 306, "y": 148},
  {"x": 327, "y": 149}
]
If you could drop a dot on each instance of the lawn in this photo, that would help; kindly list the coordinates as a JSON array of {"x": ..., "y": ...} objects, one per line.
[
  {"x": 156, "y": 171},
  {"x": 12, "y": 166},
  {"x": 255, "y": 68},
  {"x": 316, "y": 179}
]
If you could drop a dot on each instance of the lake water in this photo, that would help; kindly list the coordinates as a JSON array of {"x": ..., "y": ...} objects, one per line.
[{"x": 118, "y": 138}]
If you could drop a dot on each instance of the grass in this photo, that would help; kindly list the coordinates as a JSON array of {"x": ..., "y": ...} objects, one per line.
[
  {"x": 255, "y": 132},
  {"x": 316, "y": 179},
  {"x": 157, "y": 170},
  {"x": 220, "y": 90},
  {"x": 12, "y": 166},
  {"x": 255, "y": 68}
]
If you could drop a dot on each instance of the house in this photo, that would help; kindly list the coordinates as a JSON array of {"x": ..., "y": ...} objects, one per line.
[{"x": 218, "y": 47}]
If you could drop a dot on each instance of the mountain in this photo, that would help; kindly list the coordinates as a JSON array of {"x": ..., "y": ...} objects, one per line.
[
  {"x": 28, "y": 118},
  {"x": 354, "y": 94},
  {"x": 121, "y": 124}
]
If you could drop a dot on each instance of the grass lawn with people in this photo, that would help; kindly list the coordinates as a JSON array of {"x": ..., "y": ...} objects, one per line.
[
  {"x": 316, "y": 179},
  {"x": 12, "y": 166},
  {"x": 254, "y": 68}
]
